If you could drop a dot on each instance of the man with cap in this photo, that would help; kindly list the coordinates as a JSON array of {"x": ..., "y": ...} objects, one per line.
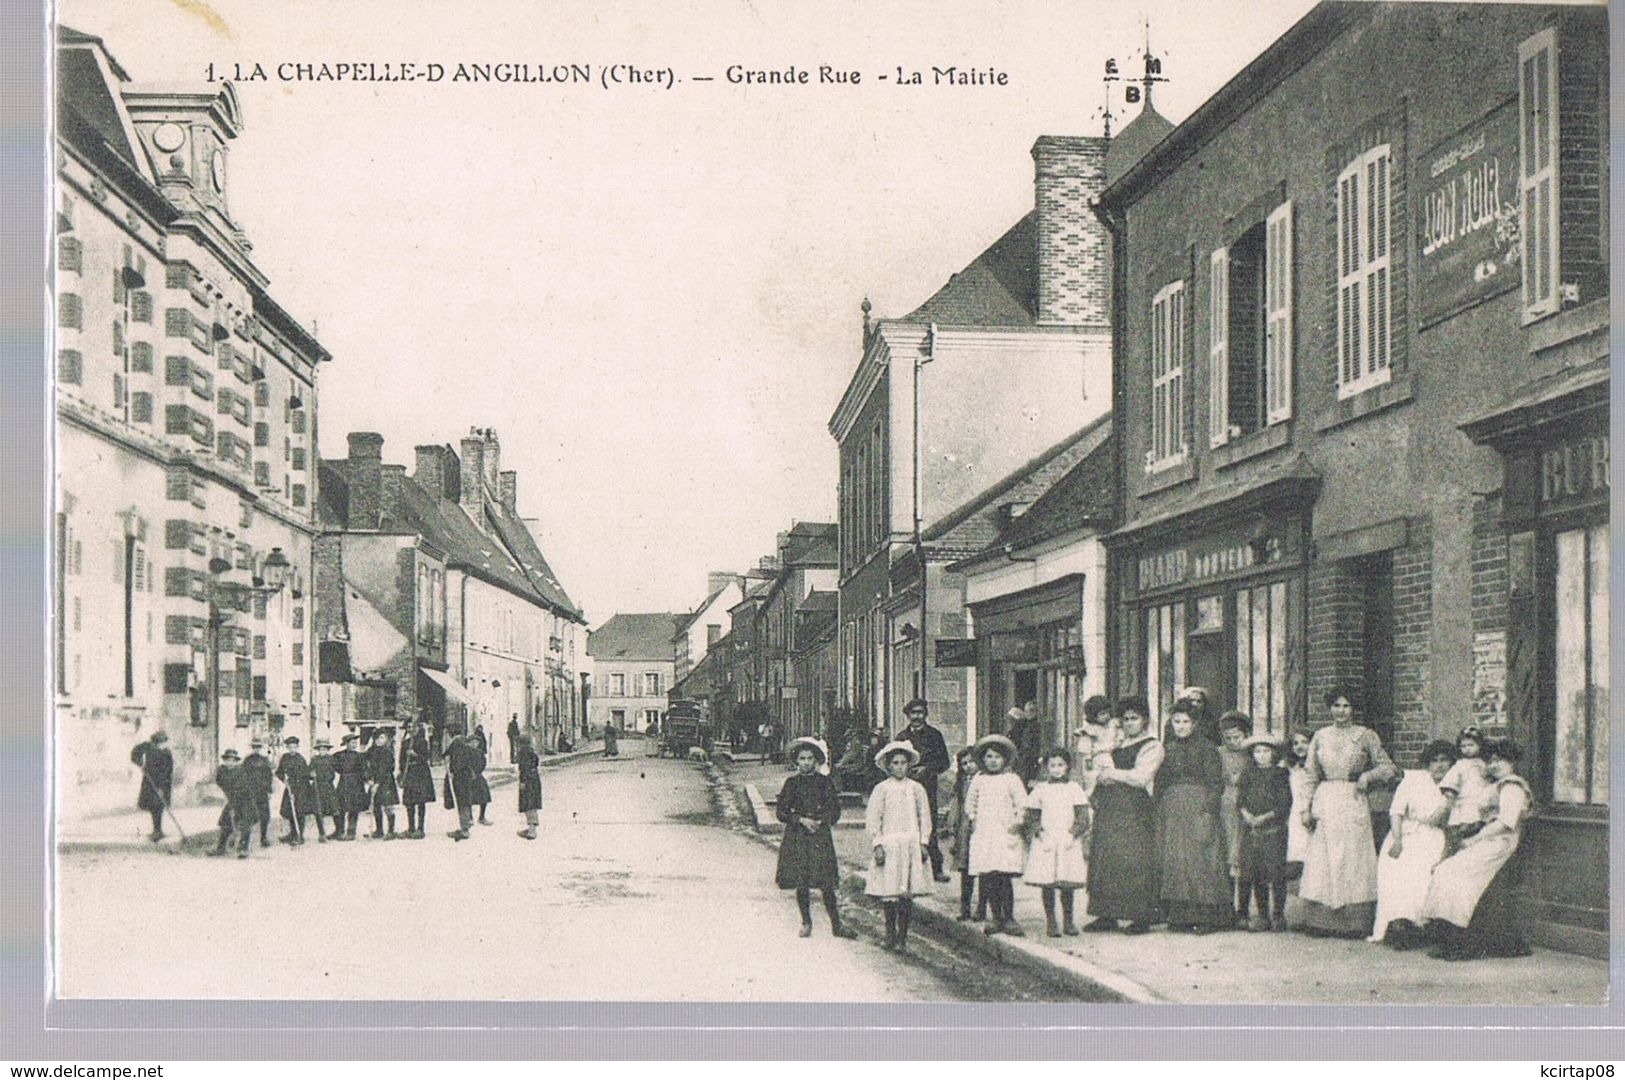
[
  {"x": 298, "y": 791},
  {"x": 464, "y": 760},
  {"x": 157, "y": 767},
  {"x": 934, "y": 761},
  {"x": 241, "y": 809},
  {"x": 351, "y": 769},
  {"x": 261, "y": 778}
]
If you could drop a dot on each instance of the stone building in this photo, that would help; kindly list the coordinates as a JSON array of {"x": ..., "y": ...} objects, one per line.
[
  {"x": 806, "y": 562},
  {"x": 632, "y": 670},
  {"x": 434, "y": 602},
  {"x": 1379, "y": 246},
  {"x": 185, "y": 407}
]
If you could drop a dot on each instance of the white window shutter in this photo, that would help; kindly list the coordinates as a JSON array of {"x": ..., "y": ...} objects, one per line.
[
  {"x": 1218, "y": 362},
  {"x": 1278, "y": 313},
  {"x": 1537, "y": 185},
  {"x": 1348, "y": 277}
]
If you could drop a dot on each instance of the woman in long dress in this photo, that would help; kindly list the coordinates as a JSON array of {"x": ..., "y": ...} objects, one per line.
[
  {"x": 1123, "y": 840},
  {"x": 1413, "y": 847},
  {"x": 1471, "y": 908},
  {"x": 1195, "y": 883},
  {"x": 1339, "y": 890}
]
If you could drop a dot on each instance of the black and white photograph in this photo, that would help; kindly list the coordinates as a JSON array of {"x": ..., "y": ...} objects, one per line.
[{"x": 1065, "y": 502}]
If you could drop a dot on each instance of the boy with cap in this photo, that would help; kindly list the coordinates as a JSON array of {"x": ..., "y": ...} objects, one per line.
[
  {"x": 261, "y": 780},
  {"x": 157, "y": 766}
]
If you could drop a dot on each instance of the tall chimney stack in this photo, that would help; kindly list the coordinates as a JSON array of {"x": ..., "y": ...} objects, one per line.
[
  {"x": 508, "y": 482},
  {"x": 437, "y": 471},
  {"x": 471, "y": 496},
  {"x": 366, "y": 479},
  {"x": 1074, "y": 272},
  {"x": 389, "y": 503}
]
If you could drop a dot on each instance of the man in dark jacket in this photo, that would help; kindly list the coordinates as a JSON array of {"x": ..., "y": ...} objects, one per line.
[
  {"x": 513, "y": 739},
  {"x": 934, "y": 761},
  {"x": 157, "y": 767},
  {"x": 241, "y": 809},
  {"x": 350, "y": 768},
  {"x": 261, "y": 778},
  {"x": 530, "y": 785},
  {"x": 464, "y": 760},
  {"x": 298, "y": 791},
  {"x": 381, "y": 776}
]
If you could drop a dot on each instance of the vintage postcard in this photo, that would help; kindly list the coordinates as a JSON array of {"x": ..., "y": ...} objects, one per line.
[{"x": 1060, "y": 502}]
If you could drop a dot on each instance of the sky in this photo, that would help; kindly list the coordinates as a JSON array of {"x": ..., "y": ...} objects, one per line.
[{"x": 650, "y": 292}]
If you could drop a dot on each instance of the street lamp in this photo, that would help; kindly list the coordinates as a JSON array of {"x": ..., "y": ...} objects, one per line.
[{"x": 272, "y": 577}]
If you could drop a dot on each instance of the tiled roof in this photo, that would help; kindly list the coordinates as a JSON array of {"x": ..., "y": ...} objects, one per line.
[
  {"x": 1085, "y": 495},
  {"x": 633, "y": 636},
  {"x": 820, "y": 600},
  {"x": 975, "y": 525},
  {"x": 998, "y": 288},
  {"x": 686, "y": 621}
]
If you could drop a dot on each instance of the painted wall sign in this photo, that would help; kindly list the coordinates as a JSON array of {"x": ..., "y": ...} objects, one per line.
[
  {"x": 1467, "y": 216},
  {"x": 1231, "y": 553},
  {"x": 955, "y": 652}
]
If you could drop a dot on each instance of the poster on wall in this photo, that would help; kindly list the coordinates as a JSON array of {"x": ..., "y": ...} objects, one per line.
[{"x": 1467, "y": 216}]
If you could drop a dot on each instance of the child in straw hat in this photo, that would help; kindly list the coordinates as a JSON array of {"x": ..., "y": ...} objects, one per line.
[{"x": 900, "y": 827}]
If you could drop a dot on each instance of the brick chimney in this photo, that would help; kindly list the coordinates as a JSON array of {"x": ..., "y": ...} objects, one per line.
[
  {"x": 366, "y": 479},
  {"x": 492, "y": 462},
  {"x": 471, "y": 495},
  {"x": 438, "y": 471},
  {"x": 508, "y": 484},
  {"x": 394, "y": 476},
  {"x": 1074, "y": 278}
]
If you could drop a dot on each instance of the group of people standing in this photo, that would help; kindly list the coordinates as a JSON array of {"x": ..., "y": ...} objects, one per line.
[
  {"x": 337, "y": 788},
  {"x": 1202, "y": 830}
]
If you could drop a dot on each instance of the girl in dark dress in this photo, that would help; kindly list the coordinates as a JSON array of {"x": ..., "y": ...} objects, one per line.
[
  {"x": 482, "y": 787},
  {"x": 386, "y": 794},
  {"x": 809, "y": 807},
  {"x": 1122, "y": 866},
  {"x": 1264, "y": 802},
  {"x": 1195, "y": 879},
  {"x": 325, "y": 781},
  {"x": 530, "y": 783},
  {"x": 417, "y": 784}
]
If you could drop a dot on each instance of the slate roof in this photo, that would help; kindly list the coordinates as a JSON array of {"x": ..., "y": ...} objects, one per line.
[
  {"x": 1084, "y": 496},
  {"x": 998, "y": 288},
  {"x": 974, "y": 526},
  {"x": 687, "y": 620},
  {"x": 1132, "y": 143},
  {"x": 633, "y": 636}
]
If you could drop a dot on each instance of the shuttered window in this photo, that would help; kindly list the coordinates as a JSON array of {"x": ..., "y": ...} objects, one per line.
[
  {"x": 1537, "y": 106},
  {"x": 1364, "y": 316},
  {"x": 1278, "y": 314},
  {"x": 141, "y": 407},
  {"x": 1218, "y": 363},
  {"x": 70, "y": 367},
  {"x": 141, "y": 307},
  {"x": 1167, "y": 378},
  {"x": 141, "y": 356},
  {"x": 70, "y": 311},
  {"x": 70, "y": 255}
]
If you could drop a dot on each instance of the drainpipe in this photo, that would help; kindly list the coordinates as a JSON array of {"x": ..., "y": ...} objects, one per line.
[{"x": 1117, "y": 225}]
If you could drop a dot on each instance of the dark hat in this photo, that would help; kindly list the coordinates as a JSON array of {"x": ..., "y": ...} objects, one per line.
[
  {"x": 256, "y": 741},
  {"x": 160, "y": 736},
  {"x": 228, "y": 754},
  {"x": 1471, "y": 731},
  {"x": 323, "y": 744},
  {"x": 917, "y": 704},
  {"x": 347, "y": 738},
  {"x": 291, "y": 740}
]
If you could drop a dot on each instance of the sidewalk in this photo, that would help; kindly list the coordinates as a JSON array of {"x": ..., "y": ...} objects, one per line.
[
  {"x": 130, "y": 829},
  {"x": 1237, "y": 967}
]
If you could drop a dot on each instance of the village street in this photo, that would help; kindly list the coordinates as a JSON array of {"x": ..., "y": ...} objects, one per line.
[{"x": 633, "y": 891}]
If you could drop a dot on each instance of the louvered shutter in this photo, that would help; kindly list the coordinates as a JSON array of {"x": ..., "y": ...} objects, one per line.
[
  {"x": 1218, "y": 358},
  {"x": 1537, "y": 185},
  {"x": 1278, "y": 314}
]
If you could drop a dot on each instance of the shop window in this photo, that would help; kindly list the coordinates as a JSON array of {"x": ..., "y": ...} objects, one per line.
[
  {"x": 1164, "y": 637},
  {"x": 1580, "y": 742},
  {"x": 1167, "y": 378},
  {"x": 1537, "y": 187},
  {"x": 1364, "y": 288},
  {"x": 1261, "y": 656}
]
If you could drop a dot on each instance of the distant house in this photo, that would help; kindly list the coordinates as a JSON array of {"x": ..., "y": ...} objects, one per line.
[{"x": 632, "y": 670}]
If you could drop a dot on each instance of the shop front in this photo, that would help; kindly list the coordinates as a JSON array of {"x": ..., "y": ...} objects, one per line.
[
  {"x": 1030, "y": 648},
  {"x": 1554, "y": 442},
  {"x": 1219, "y": 605}
]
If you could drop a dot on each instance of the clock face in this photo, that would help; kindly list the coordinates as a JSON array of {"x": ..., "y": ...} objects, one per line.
[
  {"x": 168, "y": 137},
  {"x": 217, "y": 170}
]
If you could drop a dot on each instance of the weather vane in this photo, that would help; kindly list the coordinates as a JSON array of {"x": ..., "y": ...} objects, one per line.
[{"x": 1134, "y": 92}]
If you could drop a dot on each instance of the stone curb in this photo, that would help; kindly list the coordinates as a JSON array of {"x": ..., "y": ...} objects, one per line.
[{"x": 764, "y": 821}]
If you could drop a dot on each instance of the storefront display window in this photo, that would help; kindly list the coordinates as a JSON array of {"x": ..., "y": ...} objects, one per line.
[
  {"x": 1581, "y": 743},
  {"x": 1261, "y": 656}
]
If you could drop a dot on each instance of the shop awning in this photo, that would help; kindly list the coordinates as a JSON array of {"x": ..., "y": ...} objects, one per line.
[{"x": 451, "y": 686}]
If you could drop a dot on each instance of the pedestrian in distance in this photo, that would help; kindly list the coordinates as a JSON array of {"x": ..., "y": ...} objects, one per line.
[
  {"x": 1234, "y": 729},
  {"x": 900, "y": 825},
  {"x": 513, "y": 738},
  {"x": 612, "y": 747},
  {"x": 1415, "y": 844},
  {"x": 1339, "y": 888},
  {"x": 996, "y": 804},
  {"x": 351, "y": 769},
  {"x": 385, "y": 793},
  {"x": 157, "y": 767},
  {"x": 809, "y": 806},
  {"x": 1195, "y": 890},
  {"x": 1123, "y": 838},
  {"x": 262, "y": 780},
  {"x": 298, "y": 791},
  {"x": 242, "y": 804},
  {"x": 482, "y": 786},
  {"x": 417, "y": 784},
  {"x": 933, "y": 761},
  {"x": 463, "y": 764},
  {"x": 324, "y": 782},
  {"x": 959, "y": 827},
  {"x": 1056, "y": 824},
  {"x": 1264, "y": 806},
  {"x": 529, "y": 765}
]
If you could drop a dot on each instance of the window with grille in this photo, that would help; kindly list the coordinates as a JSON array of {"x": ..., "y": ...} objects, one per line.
[
  {"x": 141, "y": 356},
  {"x": 1364, "y": 288},
  {"x": 70, "y": 367},
  {"x": 1168, "y": 445},
  {"x": 70, "y": 311},
  {"x": 141, "y": 307},
  {"x": 141, "y": 407},
  {"x": 1538, "y": 191}
]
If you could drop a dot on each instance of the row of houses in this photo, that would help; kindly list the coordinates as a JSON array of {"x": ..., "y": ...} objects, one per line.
[
  {"x": 213, "y": 578},
  {"x": 1310, "y": 388}
]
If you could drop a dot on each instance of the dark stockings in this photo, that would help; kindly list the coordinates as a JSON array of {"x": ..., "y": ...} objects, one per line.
[
  {"x": 416, "y": 813},
  {"x": 899, "y": 913},
  {"x": 378, "y": 815},
  {"x": 1001, "y": 897},
  {"x": 351, "y": 820},
  {"x": 831, "y": 907},
  {"x": 804, "y": 905},
  {"x": 157, "y": 813},
  {"x": 967, "y": 893}
]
